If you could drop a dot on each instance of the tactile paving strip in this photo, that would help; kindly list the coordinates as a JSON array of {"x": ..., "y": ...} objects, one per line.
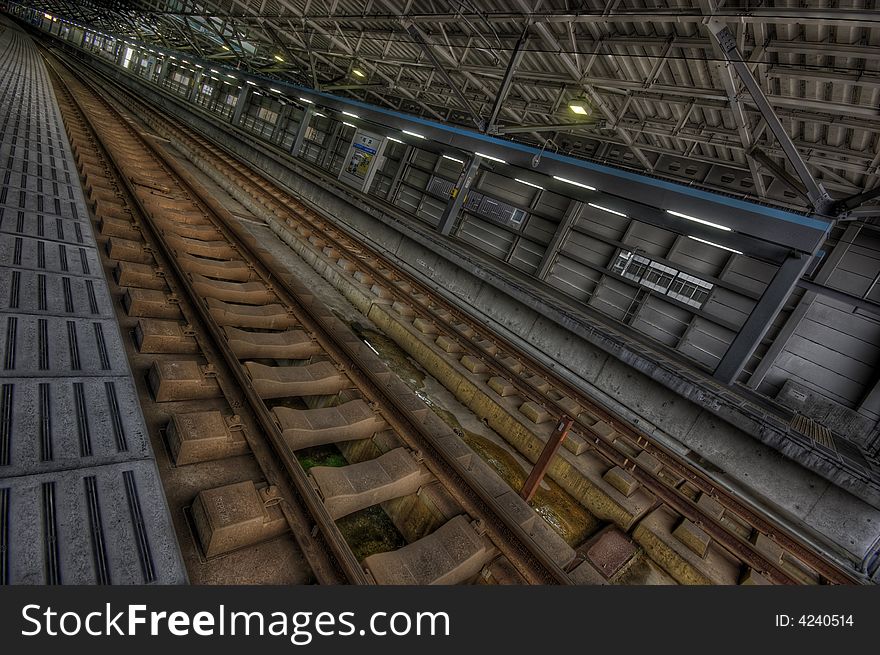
[{"x": 80, "y": 498}]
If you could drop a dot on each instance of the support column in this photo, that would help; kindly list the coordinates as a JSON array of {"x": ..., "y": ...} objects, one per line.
[
  {"x": 193, "y": 94},
  {"x": 301, "y": 130},
  {"x": 398, "y": 174},
  {"x": 331, "y": 147},
  {"x": 215, "y": 96},
  {"x": 281, "y": 125},
  {"x": 562, "y": 230},
  {"x": 163, "y": 74},
  {"x": 794, "y": 319},
  {"x": 459, "y": 194},
  {"x": 763, "y": 314},
  {"x": 240, "y": 104}
]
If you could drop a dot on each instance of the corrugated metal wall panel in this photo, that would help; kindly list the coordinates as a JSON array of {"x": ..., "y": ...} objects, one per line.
[
  {"x": 416, "y": 178},
  {"x": 588, "y": 249},
  {"x": 827, "y": 382},
  {"x": 431, "y": 210},
  {"x": 661, "y": 321},
  {"x": 832, "y": 350},
  {"x": 749, "y": 274},
  {"x": 706, "y": 342},
  {"x": 503, "y": 188},
  {"x": 653, "y": 240},
  {"x": 527, "y": 256},
  {"x": 572, "y": 278},
  {"x": 728, "y": 306},
  {"x": 485, "y": 236},
  {"x": 699, "y": 258},
  {"x": 448, "y": 168},
  {"x": 855, "y": 273},
  {"x": 408, "y": 198},
  {"x": 423, "y": 158},
  {"x": 613, "y": 297},
  {"x": 552, "y": 204},
  {"x": 541, "y": 230},
  {"x": 602, "y": 223}
]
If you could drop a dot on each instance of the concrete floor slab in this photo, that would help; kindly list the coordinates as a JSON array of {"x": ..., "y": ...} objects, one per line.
[{"x": 81, "y": 498}]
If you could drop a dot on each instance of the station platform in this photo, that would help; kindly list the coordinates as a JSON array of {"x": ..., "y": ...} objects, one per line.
[{"x": 81, "y": 501}]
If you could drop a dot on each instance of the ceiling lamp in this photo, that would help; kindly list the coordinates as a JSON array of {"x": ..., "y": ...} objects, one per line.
[
  {"x": 580, "y": 106},
  {"x": 358, "y": 72},
  {"x": 279, "y": 58}
]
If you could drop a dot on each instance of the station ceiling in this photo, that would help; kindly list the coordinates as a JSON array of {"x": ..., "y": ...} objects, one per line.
[{"x": 656, "y": 93}]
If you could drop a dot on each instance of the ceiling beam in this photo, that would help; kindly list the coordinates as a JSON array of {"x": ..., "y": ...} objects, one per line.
[
  {"x": 819, "y": 197},
  {"x": 542, "y": 127},
  {"x": 507, "y": 80},
  {"x": 420, "y": 39},
  {"x": 551, "y": 41}
]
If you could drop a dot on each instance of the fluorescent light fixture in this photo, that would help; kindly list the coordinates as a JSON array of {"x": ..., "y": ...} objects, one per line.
[
  {"x": 349, "y": 124},
  {"x": 311, "y": 102},
  {"x": 391, "y": 138},
  {"x": 578, "y": 107},
  {"x": 716, "y": 245},
  {"x": 231, "y": 77},
  {"x": 251, "y": 83},
  {"x": 605, "y": 209},
  {"x": 348, "y": 113},
  {"x": 225, "y": 47},
  {"x": 199, "y": 66},
  {"x": 567, "y": 181},
  {"x": 213, "y": 70},
  {"x": 188, "y": 64},
  {"x": 415, "y": 134},
  {"x": 275, "y": 91},
  {"x": 480, "y": 154},
  {"x": 699, "y": 220},
  {"x": 516, "y": 179},
  {"x": 460, "y": 161},
  {"x": 317, "y": 113},
  {"x": 358, "y": 72},
  {"x": 278, "y": 58}
]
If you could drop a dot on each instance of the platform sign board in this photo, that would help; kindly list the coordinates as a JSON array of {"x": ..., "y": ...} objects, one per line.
[{"x": 362, "y": 160}]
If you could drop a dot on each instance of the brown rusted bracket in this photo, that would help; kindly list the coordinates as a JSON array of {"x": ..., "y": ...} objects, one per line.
[{"x": 553, "y": 443}]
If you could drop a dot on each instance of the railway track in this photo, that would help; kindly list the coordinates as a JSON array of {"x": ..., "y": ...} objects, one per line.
[
  {"x": 292, "y": 375},
  {"x": 743, "y": 531}
]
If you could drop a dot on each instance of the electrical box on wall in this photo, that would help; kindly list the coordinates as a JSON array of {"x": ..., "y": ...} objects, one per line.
[{"x": 363, "y": 159}]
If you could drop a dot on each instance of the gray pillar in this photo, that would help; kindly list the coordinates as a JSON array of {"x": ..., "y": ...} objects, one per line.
[
  {"x": 794, "y": 319},
  {"x": 763, "y": 314},
  {"x": 194, "y": 91},
  {"x": 163, "y": 74},
  {"x": 240, "y": 104},
  {"x": 398, "y": 174},
  {"x": 331, "y": 148},
  {"x": 562, "y": 230},
  {"x": 301, "y": 130},
  {"x": 215, "y": 97},
  {"x": 459, "y": 194},
  {"x": 281, "y": 125}
]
